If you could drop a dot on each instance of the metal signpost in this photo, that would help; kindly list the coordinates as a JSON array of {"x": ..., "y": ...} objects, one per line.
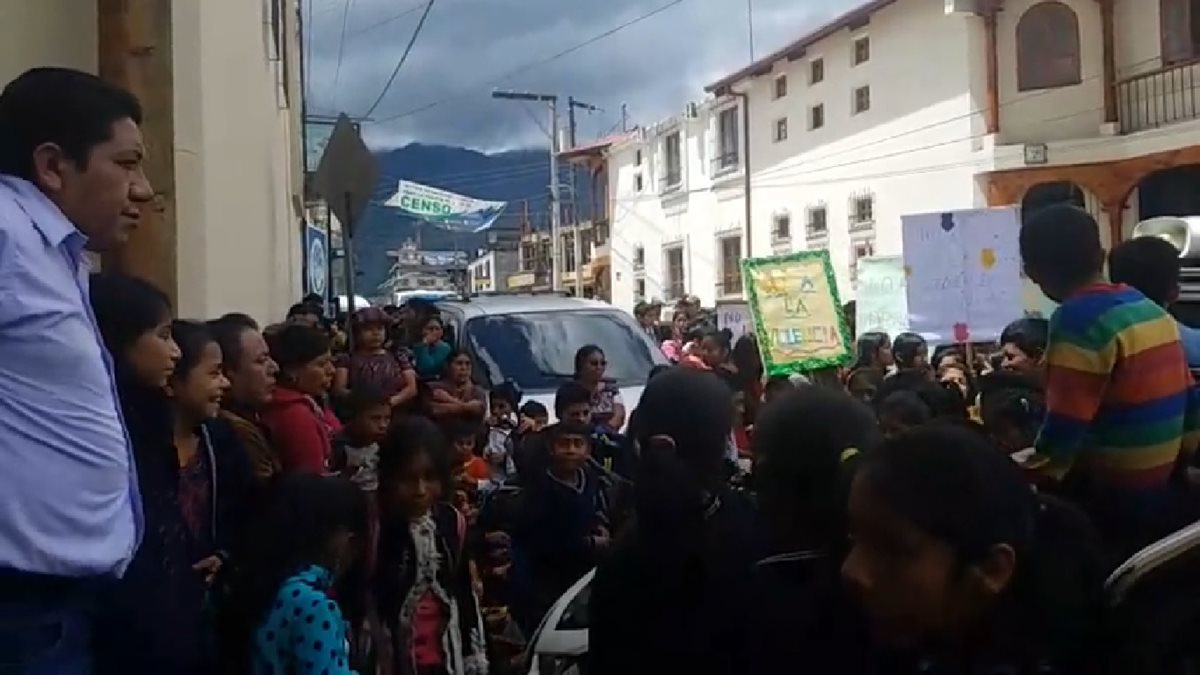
[{"x": 346, "y": 178}]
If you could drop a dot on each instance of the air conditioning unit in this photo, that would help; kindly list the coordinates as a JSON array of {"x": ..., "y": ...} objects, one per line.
[
  {"x": 691, "y": 111},
  {"x": 962, "y": 6}
]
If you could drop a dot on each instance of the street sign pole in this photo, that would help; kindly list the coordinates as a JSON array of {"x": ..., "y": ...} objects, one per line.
[{"x": 348, "y": 247}]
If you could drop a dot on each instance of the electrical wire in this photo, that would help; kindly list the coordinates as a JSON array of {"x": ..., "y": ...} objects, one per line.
[
  {"x": 403, "y": 57},
  {"x": 474, "y": 89},
  {"x": 337, "y": 73}
]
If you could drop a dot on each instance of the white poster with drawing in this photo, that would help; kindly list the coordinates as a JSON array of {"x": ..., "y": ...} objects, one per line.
[
  {"x": 736, "y": 317},
  {"x": 964, "y": 273},
  {"x": 882, "y": 303}
]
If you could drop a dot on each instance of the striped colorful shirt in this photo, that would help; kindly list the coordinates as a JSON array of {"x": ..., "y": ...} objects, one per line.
[{"x": 1120, "y": 400}]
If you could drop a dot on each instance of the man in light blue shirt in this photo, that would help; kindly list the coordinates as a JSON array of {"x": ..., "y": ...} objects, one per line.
[
  {"x": 1152, "y": 266},
  {"x": 70, "y": 179}
]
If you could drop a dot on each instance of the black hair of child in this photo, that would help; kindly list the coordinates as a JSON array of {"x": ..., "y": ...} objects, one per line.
[
  {"x": 959, "y": 488},
  {"x": 1029, "y": 334},
  {"x": 867, "y": 349},
  {"x": 567, "y": 428},
  {"x": 534, "y": 409},
  {"x": 806, "y": 444},
  {"x": 904, "y": 407},
  {"x": 778, "y": 384},
  {"x": 570, "y": 393},
  {"x": 293, "y": 529},
  {"x": 1149, "y": 264},
  {"x": 1060, "y": 246},
  {"x": 407, "y": 438},
  {"x": 191, "y": 337},
  {"x": 508, "y": 392},
  {"x": 364, "y": 398},
  {"x": 126, "y": 307},
  {"x": 906, "y": 347}
]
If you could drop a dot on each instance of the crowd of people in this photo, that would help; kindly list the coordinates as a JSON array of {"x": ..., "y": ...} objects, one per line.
[{"x": 215, "y": 496}]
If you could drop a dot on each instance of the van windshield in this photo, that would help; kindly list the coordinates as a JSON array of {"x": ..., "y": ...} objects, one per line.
[{"x": 537, "y": 350}]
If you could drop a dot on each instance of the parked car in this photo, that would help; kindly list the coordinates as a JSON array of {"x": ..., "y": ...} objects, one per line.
[
  {"x": 560, "y": 644},
  {"x": 531, "y": 340}
]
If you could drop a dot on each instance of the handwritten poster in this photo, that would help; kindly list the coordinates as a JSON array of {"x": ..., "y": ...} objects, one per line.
[
  {"x": 736, "y": 317},
  {"x": 882, "y": 304},
  {"x": 796, "y": 312},
  {"x": 964, "y": 273}
]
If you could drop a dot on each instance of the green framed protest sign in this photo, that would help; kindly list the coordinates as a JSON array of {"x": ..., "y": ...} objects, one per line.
[{"x": 796, "y": 312}]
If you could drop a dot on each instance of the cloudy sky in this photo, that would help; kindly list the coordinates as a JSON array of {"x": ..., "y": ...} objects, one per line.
[{"x": 470, "y": 47}]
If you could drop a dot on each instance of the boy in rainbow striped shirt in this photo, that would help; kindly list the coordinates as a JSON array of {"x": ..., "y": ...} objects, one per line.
[{"x": 1122, "y": 409}]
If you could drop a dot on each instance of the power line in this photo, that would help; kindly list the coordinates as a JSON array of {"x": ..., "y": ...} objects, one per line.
[
  {"x": 533, "y": 64},
  {"x": 403, "y": 57},
  {"x": 337, "y": 73},
  {"x": 383, "y": 23}
]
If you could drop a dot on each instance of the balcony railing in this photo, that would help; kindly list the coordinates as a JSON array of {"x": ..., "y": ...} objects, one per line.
[{"x": 1160, "y": 97}]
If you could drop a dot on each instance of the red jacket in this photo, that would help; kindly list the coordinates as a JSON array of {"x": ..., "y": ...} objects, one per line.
[{"x": 301, "y": 430}]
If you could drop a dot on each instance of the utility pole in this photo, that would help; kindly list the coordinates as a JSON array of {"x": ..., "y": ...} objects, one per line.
[
  {"x": 555, "y": 225},
  {"x": 624, "y": 118},
  {"x": 576, "y": 239}
]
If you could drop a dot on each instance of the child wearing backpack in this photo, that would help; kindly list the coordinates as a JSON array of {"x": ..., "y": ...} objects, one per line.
[{"x": 423, "y": 585}]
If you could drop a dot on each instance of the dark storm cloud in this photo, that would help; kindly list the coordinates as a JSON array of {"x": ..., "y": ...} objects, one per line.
[{"x": 654, "y": 67}]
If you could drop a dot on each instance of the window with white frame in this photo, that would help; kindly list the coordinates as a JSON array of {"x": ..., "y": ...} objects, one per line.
[
  {"x": 638, "y": 183},
  {"x": 731, "y": 265},
  {"x": 780, "y": 132},
  {"x": 639, "y": 289},
  {"x": 862, "y": 211},
  {"x": 673, "y": 259},
  {"x": 781, "y": 228},
  {"x": 781, "y": 86},
  {"x": 862, "y": 50},
  {"x": 862, "y": 99},
  {"x": 639, "y": 257},
  {"x": 673, "y": 151},
  {"x": 816, "y": 71},
  {"x": 637, "y": 158},
  {"x": 727, "y": 140},
  {"x": 816, "y": 116},
  {"x": 817, "y": 225}
]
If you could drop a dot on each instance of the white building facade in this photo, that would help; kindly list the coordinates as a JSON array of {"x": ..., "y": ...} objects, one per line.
[{"x": 910, "y": 106}]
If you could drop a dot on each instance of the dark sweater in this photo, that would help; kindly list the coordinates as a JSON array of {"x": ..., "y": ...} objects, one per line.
[
  {"x": 671, "y": 600},
  {"x": 156, "y": 618}
]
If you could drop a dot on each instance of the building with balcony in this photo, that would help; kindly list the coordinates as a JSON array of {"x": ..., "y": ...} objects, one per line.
[
  {"x": 677, "y": 210},
  {"x": 220, "y": 84},
  {"x": 910, "y": 106}
]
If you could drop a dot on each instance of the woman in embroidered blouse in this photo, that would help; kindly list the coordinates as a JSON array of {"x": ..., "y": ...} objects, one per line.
[
  {"x": 372, "y": 365},
  {"x": 608, "y": 409},
  {"x": 423, "y": 585},
  {"x": 283, "y": 614}
]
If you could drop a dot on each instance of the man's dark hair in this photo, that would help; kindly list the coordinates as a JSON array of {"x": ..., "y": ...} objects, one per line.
[
  {"x": 71, "y": 109},
  {"x": 228, "y": 331},
  {"x": 1150, "y": 265},
  {"x": 240, "y": 319},
  {"x": 302, "y": 308},
  {"x": 1060, "y": 246},
  {"x": 297, "y": 345},
  {"x": 569, "y": 394}
]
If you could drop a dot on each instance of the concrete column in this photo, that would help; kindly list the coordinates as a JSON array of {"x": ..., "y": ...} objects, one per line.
[{"x": 135, "y": 52}]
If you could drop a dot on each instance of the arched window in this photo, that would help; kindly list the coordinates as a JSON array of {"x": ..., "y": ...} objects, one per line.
[{"x": 1047, "y": 47}]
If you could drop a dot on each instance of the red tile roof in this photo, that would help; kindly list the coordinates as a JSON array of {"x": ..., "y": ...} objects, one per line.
[
  {"x": 594, "y": 147},
  {"x": 852, "y": 19}
]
